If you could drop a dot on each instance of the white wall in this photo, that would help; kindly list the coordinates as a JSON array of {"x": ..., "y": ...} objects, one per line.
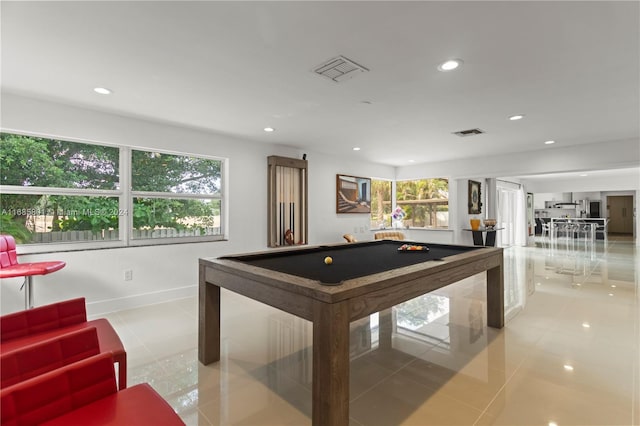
[
  {"x": 586, "y": 195},
  {"x": 170, "y": 271},
  {"x": 325, "y": 225}
]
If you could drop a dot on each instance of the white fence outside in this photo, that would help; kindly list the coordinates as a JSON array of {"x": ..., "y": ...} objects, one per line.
[{"x": 113, "y": 234}]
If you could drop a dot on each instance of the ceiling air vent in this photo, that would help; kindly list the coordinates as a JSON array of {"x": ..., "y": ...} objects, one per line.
[
  {"x": 470, "y": 132},
  {"x": 339, "y": 69}
]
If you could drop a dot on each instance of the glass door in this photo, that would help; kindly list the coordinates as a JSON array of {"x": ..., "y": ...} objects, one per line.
[{"x": 511, "y": 215}]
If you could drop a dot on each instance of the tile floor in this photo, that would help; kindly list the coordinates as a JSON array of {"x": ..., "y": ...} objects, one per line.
[{"x": 568, "y": 355}]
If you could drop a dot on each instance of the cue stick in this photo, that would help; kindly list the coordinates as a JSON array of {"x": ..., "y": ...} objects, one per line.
[
  {"x": 289, "y": 189},
  {"x": 291, "y": 204},
  {"x": 277, "y": 195},
  {"x": 295, "y": 197},
  {"x": 292, "y": 220},
  {"x": 284, "y": 205},
  {"x": 303, "y": 191},
  {"x": 280, "y": 205},
  {"x": 285, "y": 191},
  {"x": 303, "y": 205}
]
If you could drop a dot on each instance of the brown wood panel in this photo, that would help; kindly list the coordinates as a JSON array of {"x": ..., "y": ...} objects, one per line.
[
  {"x": 495, "y": 296},
  {"x": 620, "y": 210},
  {"x": 208, "y": 320},
  {"x": 271, "y": 279},
  {"x": 392, "y": 295},
  {"x": 330, "y": 364},
  {"x": 293, "y": 303},
  {"x": 300, "y": 183},
  {"x": 386, "y": 319}
]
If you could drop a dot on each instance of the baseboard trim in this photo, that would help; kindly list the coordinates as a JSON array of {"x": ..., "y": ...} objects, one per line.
[{"x": 103, "y": 307}]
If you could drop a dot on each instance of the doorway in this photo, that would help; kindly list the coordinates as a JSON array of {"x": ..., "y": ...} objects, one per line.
[
  {"x": 620, "y": 214},
  {"x": 511, "y": 214}
]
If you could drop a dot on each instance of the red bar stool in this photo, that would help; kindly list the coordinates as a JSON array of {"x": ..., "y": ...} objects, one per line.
[{"x": 10, "y": 268}]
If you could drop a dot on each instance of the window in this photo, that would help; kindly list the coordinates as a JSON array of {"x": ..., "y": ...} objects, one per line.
[
  {"x": 380, "y": 203},
  {"x": 54, "y": 191},
  {"x": 425, "y": 202},
  {"x": 175, "y": 195}
]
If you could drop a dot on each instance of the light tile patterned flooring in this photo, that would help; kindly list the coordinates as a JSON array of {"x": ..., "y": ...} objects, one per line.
[{"x": 569, "y": 353}]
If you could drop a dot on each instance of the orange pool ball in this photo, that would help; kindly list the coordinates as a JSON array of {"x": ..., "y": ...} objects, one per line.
[{"x": 328, "y": 260}]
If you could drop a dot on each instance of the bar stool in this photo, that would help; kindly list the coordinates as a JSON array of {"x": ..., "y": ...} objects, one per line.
[
  {"x": 587, "y": 229},
  {"x": 10, "y": 268}
]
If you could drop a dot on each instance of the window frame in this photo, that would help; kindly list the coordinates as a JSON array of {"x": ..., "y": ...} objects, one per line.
[
  {"x": 396, "y": 202},
  {"x": 382, "y": 221},
  {"x": 125, "y": 195},
  {"x": 131, "y": 242}
]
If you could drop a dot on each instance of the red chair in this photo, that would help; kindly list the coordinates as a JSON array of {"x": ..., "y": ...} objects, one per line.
[
  {"x": 33, "y": 360},
  {"x": 10, "y": 268},
  {"x": 25, "y": 328},
  {"x": 83, "y": 393}
]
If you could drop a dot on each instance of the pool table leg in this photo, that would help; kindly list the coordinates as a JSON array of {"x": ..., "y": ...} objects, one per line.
[
  {"x": 385, "y": 328},
  {"x": 330, "y": 364},
  {"x": 495, "y": 296},
  {"x": 208, "y": 320}
]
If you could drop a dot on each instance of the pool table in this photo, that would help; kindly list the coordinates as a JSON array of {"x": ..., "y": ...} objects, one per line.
[{"x": 362, "y": 279}]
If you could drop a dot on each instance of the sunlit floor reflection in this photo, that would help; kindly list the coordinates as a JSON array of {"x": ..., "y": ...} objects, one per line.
[{"x": 568, "y": 353}]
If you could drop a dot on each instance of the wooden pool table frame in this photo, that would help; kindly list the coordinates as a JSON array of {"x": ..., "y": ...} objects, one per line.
[{"x": 332, "y": 308}]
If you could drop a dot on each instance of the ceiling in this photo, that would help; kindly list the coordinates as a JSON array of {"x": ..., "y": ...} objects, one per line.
[{"x": 572, "y": 68}]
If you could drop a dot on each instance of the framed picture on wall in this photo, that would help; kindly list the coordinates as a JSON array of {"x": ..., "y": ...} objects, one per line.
[
  {"x": 353, "y": 194},
  {"x": 475, "y": 203}
]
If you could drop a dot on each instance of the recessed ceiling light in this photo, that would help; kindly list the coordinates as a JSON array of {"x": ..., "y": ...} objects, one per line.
[
  {"x": 553, "y": 424},
  {"x": 412, "y": 161},
  {"x": 586, "y": 325},
  {"x": 450, "y": 65},
  {"x": 269, "y": 129},
  {"x": 584, "y": 174},
  {"x": 613, "y": 286},
  {"x": 516, "y": 117},
  {"x": 355, "y": 148},
  {"x": 568, "y": 367},
  {"x": 102, "y": 90},
  {"x": 549, "y": 142}
]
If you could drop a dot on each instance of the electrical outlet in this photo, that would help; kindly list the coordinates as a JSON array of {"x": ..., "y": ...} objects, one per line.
[{"x": 128, "y": 274}]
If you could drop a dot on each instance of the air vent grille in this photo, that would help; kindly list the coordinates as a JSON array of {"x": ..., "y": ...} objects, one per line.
[
  {"x": 470, "y": 132},
  {"x": 339, "y": 69}
]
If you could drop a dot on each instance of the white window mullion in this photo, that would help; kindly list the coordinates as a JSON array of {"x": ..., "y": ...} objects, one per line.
[{"x": 125, "y": 221}]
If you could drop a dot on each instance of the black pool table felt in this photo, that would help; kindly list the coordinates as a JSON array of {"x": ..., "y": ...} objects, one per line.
[{"x": 350, "y": 260}]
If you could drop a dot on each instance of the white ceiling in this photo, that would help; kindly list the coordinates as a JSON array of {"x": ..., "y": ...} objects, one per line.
[{"x": 236, "y": 67}]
